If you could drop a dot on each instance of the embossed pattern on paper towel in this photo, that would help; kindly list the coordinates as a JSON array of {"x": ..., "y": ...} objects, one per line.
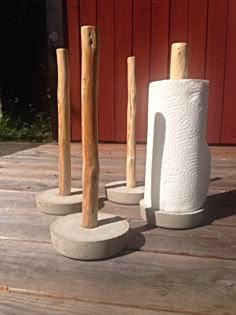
[{"x": 178, "y": 159}]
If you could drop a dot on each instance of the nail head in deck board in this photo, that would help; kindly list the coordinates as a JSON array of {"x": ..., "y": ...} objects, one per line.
[{"x": 144, "y": 280}]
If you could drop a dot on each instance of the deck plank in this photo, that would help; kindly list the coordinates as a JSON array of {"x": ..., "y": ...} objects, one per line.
[
  {"x": 27, "y": 304},
  {"x": 161, "y": 272},
  {"x": 215, "y": 241},
  {"x": 142, "y": 280}
]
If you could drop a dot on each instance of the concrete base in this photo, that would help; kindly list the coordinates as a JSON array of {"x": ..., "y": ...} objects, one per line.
[
  {"x": 171, "y": 220},
  {"x": 70, "y": 239},
  {"x": 119, "y": 193},
  {"x": 49, "y": 201}
]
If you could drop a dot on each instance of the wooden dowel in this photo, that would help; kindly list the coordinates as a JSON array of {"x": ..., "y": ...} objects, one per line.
[
  {"x": 131, "y": 122},
  {"x": 179, "y": 61},
  {"x": 89, "y": 96},
  {"x": 63, "y": 102}
]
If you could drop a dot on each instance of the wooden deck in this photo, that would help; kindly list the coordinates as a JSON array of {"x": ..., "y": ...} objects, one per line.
[{"x": 161, "y": 271}]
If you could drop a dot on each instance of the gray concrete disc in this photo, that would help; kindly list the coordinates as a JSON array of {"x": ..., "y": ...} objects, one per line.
[
  {"x": 49, "y": 201},
  {"x": 171, "y": 220},
  {"x": 119, "y": 193},
  {"x": 70, "y": 239}
]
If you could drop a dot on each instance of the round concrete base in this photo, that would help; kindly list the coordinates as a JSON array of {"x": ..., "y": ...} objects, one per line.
[
  {"x": 49, "y": 201},
  {"x": 171, "y": 220},
  {"x": 118, "y": 192},
  {"x": 70, "y": 239}
]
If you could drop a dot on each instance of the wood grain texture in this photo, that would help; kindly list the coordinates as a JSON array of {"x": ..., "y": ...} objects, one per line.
[
  {"x": 197, "y": 31},
  {"x": 64, "y": 135},
  {"x": 179, "y": 61},
  {"x": 182, "y": 284},
  {"x": 215, "y": 66},
  {"x": 73, "y": 23},
  {"x": 141, "y": 47},
  {"x": 106, "y": 104},
  {"x": 89, "y": 92},
  {"x": 159, "y": 50},
  {"x": 123, "y": 49},
  {"x": 131, "y": 124},
  {"x": 228, "y": 134},
  {"x": 216, "y": 241},
  {"x": 178, "y": 21},
  {"x": 213, "y": 242},
  {"x": 88, "y": 13},
  {"x": 28, "y": 304},
  {"x": 162, "y": 272},
  {"x": 147, "y": 29}
]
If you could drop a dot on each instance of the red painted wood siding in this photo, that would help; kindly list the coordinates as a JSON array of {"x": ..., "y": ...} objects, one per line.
[
  {"x": 215, "y": 66},
  {"x": 228, "y": 132},
  {"x": 123, "y": 49},
  {"x": 146, "y": 29}
]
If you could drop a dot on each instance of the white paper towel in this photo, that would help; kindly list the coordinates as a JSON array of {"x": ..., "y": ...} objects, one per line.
[{"x": 178, "y": 159}]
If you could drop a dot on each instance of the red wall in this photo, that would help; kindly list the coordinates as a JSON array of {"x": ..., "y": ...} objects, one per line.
[{"x": 146, "y": 29}]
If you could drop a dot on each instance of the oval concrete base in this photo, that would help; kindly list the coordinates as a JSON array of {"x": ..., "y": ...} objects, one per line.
[
  {"x": 50, "y": 202},
  {"x": 118, "y": 192},
  {"x": 72, "y": 240},
  {"x": 171, "y": 220}
]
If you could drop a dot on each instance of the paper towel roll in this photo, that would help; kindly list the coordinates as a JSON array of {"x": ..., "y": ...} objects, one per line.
[{"x": 178, "y": 159}]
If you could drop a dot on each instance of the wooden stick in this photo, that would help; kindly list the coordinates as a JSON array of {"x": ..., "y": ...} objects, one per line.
[
  {"x": 131, "y": 122},
  {"x": 63, "y": 101},
  {"x": 89, "y": 94},
  {"x": 179, "y": 61}
]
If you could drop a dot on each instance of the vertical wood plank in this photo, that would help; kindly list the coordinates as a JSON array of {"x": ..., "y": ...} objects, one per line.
[
  {"x": 141, "y": 50},
  {"x": 197, "y": 30},
  {"x": 123, "y": 49},
  {"x": 74, "y": 59},
  {"x": 215, "y": 66},
  {"x": 105, "y": 23},
  {"x": 178, "y": 21},
  {"x": 229, "y": 110},
  {"x": 159, "y": 40},
  {"x": 88, "y": 12}
]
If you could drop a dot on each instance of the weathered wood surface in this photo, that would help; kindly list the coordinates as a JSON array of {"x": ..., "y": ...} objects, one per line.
[
  {"x": 89, "y": 104},
  {"x": 201, "y": 242},
  {"x": 161, "y": 272},
  {"x": 179, "y": 61},
  {"x": 64, "y": 131},
  {"x": 27, "y": 304},
  {"x": 131, "y": 124},
  {"x": 136, "y": 279}
]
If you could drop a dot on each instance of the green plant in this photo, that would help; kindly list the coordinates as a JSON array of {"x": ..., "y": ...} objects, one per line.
[{"x": 37, "y": 130}]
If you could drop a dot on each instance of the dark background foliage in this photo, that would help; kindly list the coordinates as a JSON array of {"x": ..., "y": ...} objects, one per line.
[{"x": 24, "y": 86}]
